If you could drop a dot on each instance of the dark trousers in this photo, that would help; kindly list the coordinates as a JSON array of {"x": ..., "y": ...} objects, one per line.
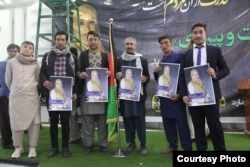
[
  {"x": 5, "y": 121},
  {"x": 135, "y": 124},
  {"x": 175, "y": 126},
  {"x": 212, "y": 115},
  {"x": 63, "y": 116}
]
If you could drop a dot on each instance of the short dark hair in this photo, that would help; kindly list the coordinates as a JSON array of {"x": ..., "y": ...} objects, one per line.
[
  {"x": 28, "y": 43},
  {"x": 12, "y": 46},
  {"x": 199, "y": 24},
  {"x": 95, "y": 34},
  {"x": 165, "y": 37},
  {"x": 62, "y": 33}
]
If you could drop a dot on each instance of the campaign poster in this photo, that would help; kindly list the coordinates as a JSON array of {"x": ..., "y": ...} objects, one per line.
[
  {"x": 97, "y": 85},
  {"x": 199, "y": 85},
  {"x": 60, "y": 98},
  {"x": 130, "y": 83},
  {"x": 168, "y": 80}
]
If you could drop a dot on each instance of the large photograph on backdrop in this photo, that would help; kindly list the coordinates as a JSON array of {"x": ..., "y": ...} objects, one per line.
[{"x": 146, "y": 20}]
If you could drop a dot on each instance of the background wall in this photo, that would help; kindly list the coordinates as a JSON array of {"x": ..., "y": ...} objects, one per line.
[{"x": 19, "y": 23}]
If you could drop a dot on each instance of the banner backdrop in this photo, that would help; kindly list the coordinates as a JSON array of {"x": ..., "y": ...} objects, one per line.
[{"x": 228, "y": 27}]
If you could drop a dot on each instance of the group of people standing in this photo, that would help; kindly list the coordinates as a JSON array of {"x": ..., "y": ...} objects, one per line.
[
  {"x": 173, "y": 110},
  {"x": 23, "y": 75}
]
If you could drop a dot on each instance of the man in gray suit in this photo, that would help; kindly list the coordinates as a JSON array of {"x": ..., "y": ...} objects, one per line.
[{"x": 201, "y": 54}]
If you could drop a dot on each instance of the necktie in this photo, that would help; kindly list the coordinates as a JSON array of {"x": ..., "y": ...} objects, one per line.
[{"x": 199, "y": 55}]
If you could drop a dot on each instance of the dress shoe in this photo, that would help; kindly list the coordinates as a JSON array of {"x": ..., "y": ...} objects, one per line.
[
  {"x": 144, "y": 150},
  {"x": 104, "y": 150},
  {"x": 66, "y": 152},
  {"x": 17, "y": 153},
  {"x": 53, "y": 152},
  {"x": 32, "y": 153},
  {"x": 88, "y": 150},
  {"x": 169, "y": 150},
  {"x": 131, "y": 147},
  {"x": 8, "y": 146}
]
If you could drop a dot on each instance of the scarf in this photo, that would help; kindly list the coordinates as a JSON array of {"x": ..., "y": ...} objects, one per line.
[
  {"x": 198, "y": 86},
  {"x": 60, "y": 95},
  {"x": 26, "y": 60},
  {"x": 166, "y": 80},
  {"x": 60, "y": 52},
  {"x": 137, "y": 57},
  {"x": 96, "y": 85},
  {"x": 129, "y": 84},
  {"x": 64, "y": 52}
]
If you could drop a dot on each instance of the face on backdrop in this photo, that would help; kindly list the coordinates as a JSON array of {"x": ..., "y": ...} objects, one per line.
[
  {"x": 87, "y": 23},
  {"x": 199, "y": 35},
  {"x": 27, "y": 50},
  {"x": 61, "y": 42}
]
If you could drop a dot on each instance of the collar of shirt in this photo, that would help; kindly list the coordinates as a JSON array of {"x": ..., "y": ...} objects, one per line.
[{"x": 194, "y": 45}]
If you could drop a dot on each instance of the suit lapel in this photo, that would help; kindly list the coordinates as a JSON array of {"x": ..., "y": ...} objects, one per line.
[{"x": 190, "y": 58}]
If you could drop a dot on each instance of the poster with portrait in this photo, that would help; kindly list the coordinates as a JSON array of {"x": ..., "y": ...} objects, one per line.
[
  {"x": 199, "y": 85},
  {"x": 60, "y": 98},
  {"x": 168, "y": 80},
  {"x": 97, "y": 85},
  {"x": 130, "y": 83}
]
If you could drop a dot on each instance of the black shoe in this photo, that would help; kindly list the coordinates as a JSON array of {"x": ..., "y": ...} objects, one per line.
[
  {"x": 88, "y": 150},
  {"x": 52, "y": 152},
  {"x": 104, "y": 150},
  {"x": 8, "y": 146},
  {"x": 66, "y": 152},
  {"x": 131, "y": 147}
]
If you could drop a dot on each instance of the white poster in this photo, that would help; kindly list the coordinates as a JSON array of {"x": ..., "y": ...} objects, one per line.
[
  {"x": 130, "y": 84},
  {"x": 60, "y": 98},
  {"x": 199, "y": 85}
]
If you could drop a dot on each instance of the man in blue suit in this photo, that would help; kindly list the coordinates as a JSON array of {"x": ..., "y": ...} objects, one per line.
[{"x": 218, "y": 69}]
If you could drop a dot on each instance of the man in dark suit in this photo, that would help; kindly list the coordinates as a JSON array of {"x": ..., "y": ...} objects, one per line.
[
  {"x": 93, "y": 114},
  {"x": 218, "y": 69}
]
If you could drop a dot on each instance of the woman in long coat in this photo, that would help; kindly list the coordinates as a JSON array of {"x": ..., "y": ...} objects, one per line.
[{"x": 22, "y": 76}]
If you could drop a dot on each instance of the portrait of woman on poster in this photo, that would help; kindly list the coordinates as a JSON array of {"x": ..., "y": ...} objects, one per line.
[
  {"x": 165, "y": 83},
  {"x": 58, "y": 94},
  {"x": 94, "y": 88},
  {"x": 196, "y": 88},
  {"x": 128, "y": 85},
  {"x": 88, "y": 22}
]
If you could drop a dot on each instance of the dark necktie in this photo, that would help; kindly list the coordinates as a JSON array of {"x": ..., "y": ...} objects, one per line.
[{"x": 199, "y": 55}]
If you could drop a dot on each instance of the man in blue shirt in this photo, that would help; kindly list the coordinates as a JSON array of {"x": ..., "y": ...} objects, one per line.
[
  {"x": 173, "y": 110},
  {"x": 6, "y": 134}
]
